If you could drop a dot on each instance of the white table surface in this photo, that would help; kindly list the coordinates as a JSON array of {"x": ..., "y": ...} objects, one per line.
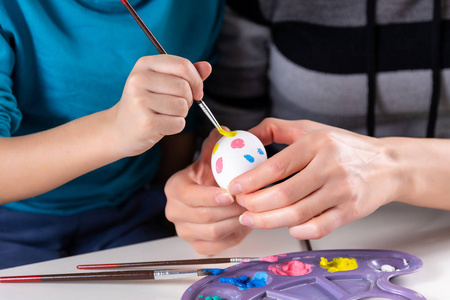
[
  {"x": 259, "y": 243},
  {"x": 420, "y": 231}
]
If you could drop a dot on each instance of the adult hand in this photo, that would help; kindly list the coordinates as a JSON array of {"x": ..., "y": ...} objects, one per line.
[
  {"x": 157, "y": 96},
  {"x": 336, "y": 177},
  {"x": 204, "y": 214}
]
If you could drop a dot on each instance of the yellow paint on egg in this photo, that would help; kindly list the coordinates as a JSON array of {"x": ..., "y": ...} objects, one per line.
[
  {"x": 339, "y": 264},
  {"x": 226, "y": 133},
  {"x": 215, "y": 148}
]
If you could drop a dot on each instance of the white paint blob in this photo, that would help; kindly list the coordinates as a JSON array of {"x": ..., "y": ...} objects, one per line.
[
  {"x": 235, "y": 155},
  {"x": 387, "y": 268}
]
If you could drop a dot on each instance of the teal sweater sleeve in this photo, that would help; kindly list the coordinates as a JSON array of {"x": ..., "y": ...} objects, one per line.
[
  {"x": 62, "y": 60},
  {"x": 10, "y": 115}
]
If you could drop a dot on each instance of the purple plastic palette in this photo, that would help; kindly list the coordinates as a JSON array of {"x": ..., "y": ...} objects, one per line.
[{"x": 370, "y": 279}]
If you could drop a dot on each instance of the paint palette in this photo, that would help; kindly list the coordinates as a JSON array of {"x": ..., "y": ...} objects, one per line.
[{"x": 369, "y": 280}]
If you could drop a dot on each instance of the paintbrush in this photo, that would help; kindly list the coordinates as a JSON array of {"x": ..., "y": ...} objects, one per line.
[
  {"x": 113, "y": 275},
  {"x": 161, "y": 50},
  {"x": 170, "y": 263}
]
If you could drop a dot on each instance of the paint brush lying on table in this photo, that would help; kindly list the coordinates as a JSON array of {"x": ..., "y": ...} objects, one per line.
[
  {"x": 161, "y": 50},
  {"x": 204, "y": 261},
  {"x": 113, "y": 275},
  {"x": 141, "y": 274}
]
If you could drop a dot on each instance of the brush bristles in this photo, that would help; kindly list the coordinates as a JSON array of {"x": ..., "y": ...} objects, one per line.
[{"x": 206, "y": 272}]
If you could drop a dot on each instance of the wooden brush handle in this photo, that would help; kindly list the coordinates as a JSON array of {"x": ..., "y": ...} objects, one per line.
[{"x": 116, "y": 275}]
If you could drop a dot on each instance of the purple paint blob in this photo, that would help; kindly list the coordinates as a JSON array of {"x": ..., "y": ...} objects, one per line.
[
  {"x": 219, "y": 165},
  {"x": 250, "y": 158},
  {"x": 243, "y": 282},
  {"x": 237, "y": 143}
]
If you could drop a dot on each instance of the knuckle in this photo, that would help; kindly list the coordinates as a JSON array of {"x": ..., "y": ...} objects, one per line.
[
  {"x": 146, "y": 122},
  {"x": 170, "y": 215},
  {"x": 184, "y": 65},
  {"x": 298, "y": 216},
  {"x": 268, "y": 120},
  {"x": 307, "y": 123},
  {"x": 143, "y": 60},
  {"x": 207, "y": 248},
  {"x": 184, "y": 233},
  {"x": 319, "y": 231},
  {"x": 138, "y": 102},
  {"x": 215, "y": 233},
  {"x": 250, "y": 204},
  {"x": 201, "y": 249},
  {"x": 346, "y": 191},
  {"x": 278, "y": 168},
  {"x": 178, "y": 125},
  {"x": 246, "y": 203},
  {"x": 325, "y": 137},
  {"x": 283, "y": 194},
  {"x": 182, "y": 106},
  {"x": 134, "y": 80},
  {"x": 170, "y": 188},
  {"x": 184, "y": 87},
  {"x": 237, "y": 236},
  {"x": 202, "y": 215},
  {"x": 261, "y": 222}
]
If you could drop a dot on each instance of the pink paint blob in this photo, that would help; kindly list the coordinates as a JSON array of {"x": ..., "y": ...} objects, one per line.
[
  {"x": 237, "y": 143},
  {"x": 272, "y": 258},
  {"x": 219, "y": 165},
  {"x": 291, "y": 268}
]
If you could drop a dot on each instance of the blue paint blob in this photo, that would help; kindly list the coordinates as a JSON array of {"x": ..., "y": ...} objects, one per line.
[
  {"x": 213, "y": 271},
  {"x": 260, "y": 151},
  {"x": 249, "y": 158},
  {"x": 243, "y": 282},
  {"x": 213, "y": 298}
]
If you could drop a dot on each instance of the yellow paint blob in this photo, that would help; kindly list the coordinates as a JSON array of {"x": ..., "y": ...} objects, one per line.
[
  {"x": 215, "y": 148},
  {"x": 339, "y": 264},
  {"x": 226, "y": 133}
]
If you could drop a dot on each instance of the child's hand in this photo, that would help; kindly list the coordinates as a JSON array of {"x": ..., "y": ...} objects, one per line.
[
  {"x": 339, "y": 177},
  {"x": 157, "y": 96},
  {"x": 203, "y": 213}
]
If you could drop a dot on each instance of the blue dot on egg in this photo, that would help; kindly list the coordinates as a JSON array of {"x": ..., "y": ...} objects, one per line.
[
  {"x": 260, "y": 151},
  {"x": 249, "y": 158}
]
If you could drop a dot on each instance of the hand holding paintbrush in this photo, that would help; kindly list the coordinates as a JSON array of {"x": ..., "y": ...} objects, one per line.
[
  {"x": 155, "y": 102},
  {"x": 161, "y": 50}
]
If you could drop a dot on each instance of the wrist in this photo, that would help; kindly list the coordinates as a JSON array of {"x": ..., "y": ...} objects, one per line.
[
  {"x": 404, "y": 177},
  {"x": 111, "y": 137}
]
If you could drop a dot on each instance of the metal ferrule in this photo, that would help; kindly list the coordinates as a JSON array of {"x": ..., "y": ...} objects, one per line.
[{"x": 159, "y": 275}]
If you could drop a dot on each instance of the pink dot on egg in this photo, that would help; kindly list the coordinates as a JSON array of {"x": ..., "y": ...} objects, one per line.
[
  {"x": 219, "y": 165},
  {"x": 237, "y": 143}
]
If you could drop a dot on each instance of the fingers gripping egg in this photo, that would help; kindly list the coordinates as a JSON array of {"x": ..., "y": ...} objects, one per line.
[{"x": 235, "y": 155}]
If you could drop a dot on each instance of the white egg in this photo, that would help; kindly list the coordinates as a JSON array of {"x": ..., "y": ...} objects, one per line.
[{"x": 235, "y": 155}]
